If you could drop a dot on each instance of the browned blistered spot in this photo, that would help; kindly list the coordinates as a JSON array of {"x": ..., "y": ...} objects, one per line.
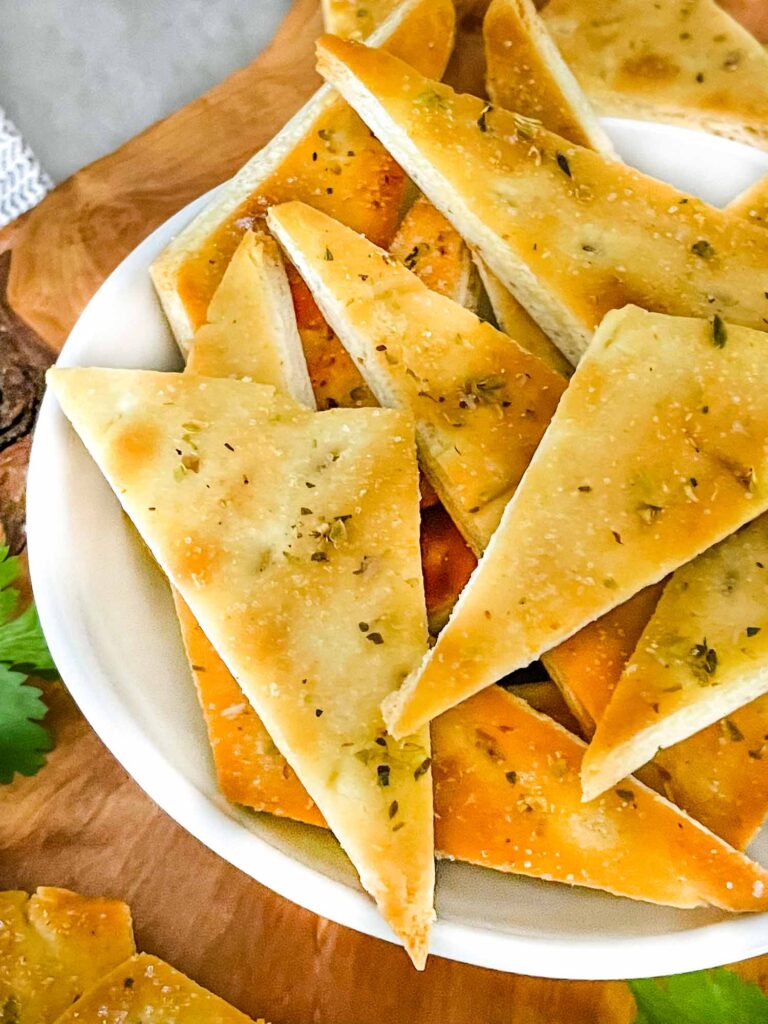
[
  {"x": 133, "y": 449},
  {"x": 650, "y": 66}
]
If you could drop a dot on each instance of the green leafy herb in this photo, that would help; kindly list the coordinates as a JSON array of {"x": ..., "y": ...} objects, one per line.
[
  {"x": 23, "y": 650},
  {"x": 753, "y": 630},
  {"x": 719, "y": 332},
  {"x": 703, "y": 249},
  {"x": 703, "y": 660},
  {"x": 705, "y": 997},
  {"x": 328, "y": 257},
  {"x": 562, "y": 163}
]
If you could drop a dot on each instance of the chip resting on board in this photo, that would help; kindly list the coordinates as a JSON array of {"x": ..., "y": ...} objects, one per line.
[
  {"x": 481, "y": 404},
  {"x": 569, "y": 232},
  {"x": 293, "y": 536},
  {"x": 146, "y": 990},
  {"x": 699, "y": 659},
  {"x": 683, "y": 61},
  {"x": 54, "y": 945},
  {"x": 656, "y": 452}
]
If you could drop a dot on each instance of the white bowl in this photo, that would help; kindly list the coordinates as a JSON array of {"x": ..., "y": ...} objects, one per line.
[{"x": 107, "y": 613}]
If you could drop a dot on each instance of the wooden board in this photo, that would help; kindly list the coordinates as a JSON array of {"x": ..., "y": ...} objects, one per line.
[{"x": 82, "y": 823}]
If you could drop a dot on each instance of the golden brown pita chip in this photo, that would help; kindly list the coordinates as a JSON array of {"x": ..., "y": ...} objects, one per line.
[
  {"x": 511, "y": 778},
  {"x": 682, "y": 61},
  {"x": 479, "y": 401},
  {"x": 54, "y": 945},
  {"x": 570, "y": 233},
  {"x": 699, "y": 659},
  {"x": 526, "y": 74},
  {"x": 325, "y": 155},
  {"x": 655, "y": 453},
  {"x": 293, "y": 536},
  {"x": 250, "y": 328},
  {"x": 145, "y": 989}
]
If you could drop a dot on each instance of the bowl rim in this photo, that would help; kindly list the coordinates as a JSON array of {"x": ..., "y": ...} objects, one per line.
[{"x": 589, "y": 957}]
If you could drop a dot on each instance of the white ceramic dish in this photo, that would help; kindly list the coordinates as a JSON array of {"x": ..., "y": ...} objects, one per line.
[{"x": 109, "y": 620}]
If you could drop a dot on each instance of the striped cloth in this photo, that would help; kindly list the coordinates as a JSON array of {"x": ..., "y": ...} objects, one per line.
[{"x": 23, "y": 182}]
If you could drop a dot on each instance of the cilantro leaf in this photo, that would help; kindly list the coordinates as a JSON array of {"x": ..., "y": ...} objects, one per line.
[
  {"x": 23, "y": 741},
  {"x": 704, "y": 997}
]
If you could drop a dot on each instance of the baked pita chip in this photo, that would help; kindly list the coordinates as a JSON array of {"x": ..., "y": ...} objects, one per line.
[
  {"x": 699, "y": 659},
  {"x": 429, "y": 246},
  {"x": 325, "y": 155},
  {"x": 682, "y": 61},
  {"x": 481, "y": 404},
  {"x": 145, "y": 989},
  {"x": 569, "y": 232},
  {"x": 251, "y": 326},
  {"x": 526, "y": 74},
  {"x": 54, "y": 945},
  {"x": 293, "y": 537},
  {"x": 531, "y": 820},
  {"x": 352, "y": 20},
  {"x": 656, "y": 452},
  {"x": 514, "y": 321}
]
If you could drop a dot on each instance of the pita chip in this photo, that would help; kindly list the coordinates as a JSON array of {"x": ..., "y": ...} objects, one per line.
[
  {"x": 325, "y": 155},
  {"x": 480, "y": 403},
  {"x": 686, "y": 62},
  {"x": 531, "y": 820},
  {"x": 54, "y": 945},
  {"x": 145, "y": 988},
  {"x": 699, "y": 659},
  {"x": 526, "y": 74},
  {"x": 293, "y": 537},
  {"x": 656, "y": 452},
  {"x": 251, "y": 326},
  {"x": 569, "y": 232}
]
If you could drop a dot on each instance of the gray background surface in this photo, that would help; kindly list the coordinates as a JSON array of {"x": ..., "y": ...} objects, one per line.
[{"x": 79, "y": 77}]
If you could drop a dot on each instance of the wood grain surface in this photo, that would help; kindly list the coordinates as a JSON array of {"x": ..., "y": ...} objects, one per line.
[{"x": 82, "y": 822}]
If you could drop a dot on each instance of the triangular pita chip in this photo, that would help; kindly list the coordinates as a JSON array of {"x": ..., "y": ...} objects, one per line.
[
  {"x": 429, "y": 246},
  {"x": 514, "y": 321},
  {"x": 54, "y": 945},
  {"x": 325, "y": 155},
  {"x": 699, "y": 659},
  {"x": 657, "y": 451},
  {"x": 683, "y": 61},
  {"x": 250, "y": 328},
  {"x": 531, "y": 820},
  {"x": 145, "y": 988},
  {"x": 479, "y": 401},
  {"x": 526, "y": 74},
  {"x": 293, "y": 537},
  {"x": 351, "y": 19},
  {"x": 249, "y": 767},
  {"x": 569, "y": 232},
  {"x": 588, "y": 665}
]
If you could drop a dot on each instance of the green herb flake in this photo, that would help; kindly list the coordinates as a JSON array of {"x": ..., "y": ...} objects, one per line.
[
  {"x": 423, "y": 768},
  {"x": 753, "y": 630},
  {"x": 328, "y": 257},
  {"x": 363, "y": 627},
  {"x": 562, "y": 163},
  {"x": 375, "y": 638},
  {"x": 703, "y": 660},
  {"x": 319, "y": 556},
  {"x": 628, "y": 795},
  {"x": 703, "y": 249},
  {"x": 719, "y": 332},
  {"x": 731, "y": 731},
  {"x": 511, "y": 777},
  {"x": 382, "y": 774},
  {"x": 393, "y": 809}
]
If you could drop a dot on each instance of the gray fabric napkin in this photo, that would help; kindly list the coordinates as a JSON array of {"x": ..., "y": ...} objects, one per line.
[{"x": 23, "y": 182}]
